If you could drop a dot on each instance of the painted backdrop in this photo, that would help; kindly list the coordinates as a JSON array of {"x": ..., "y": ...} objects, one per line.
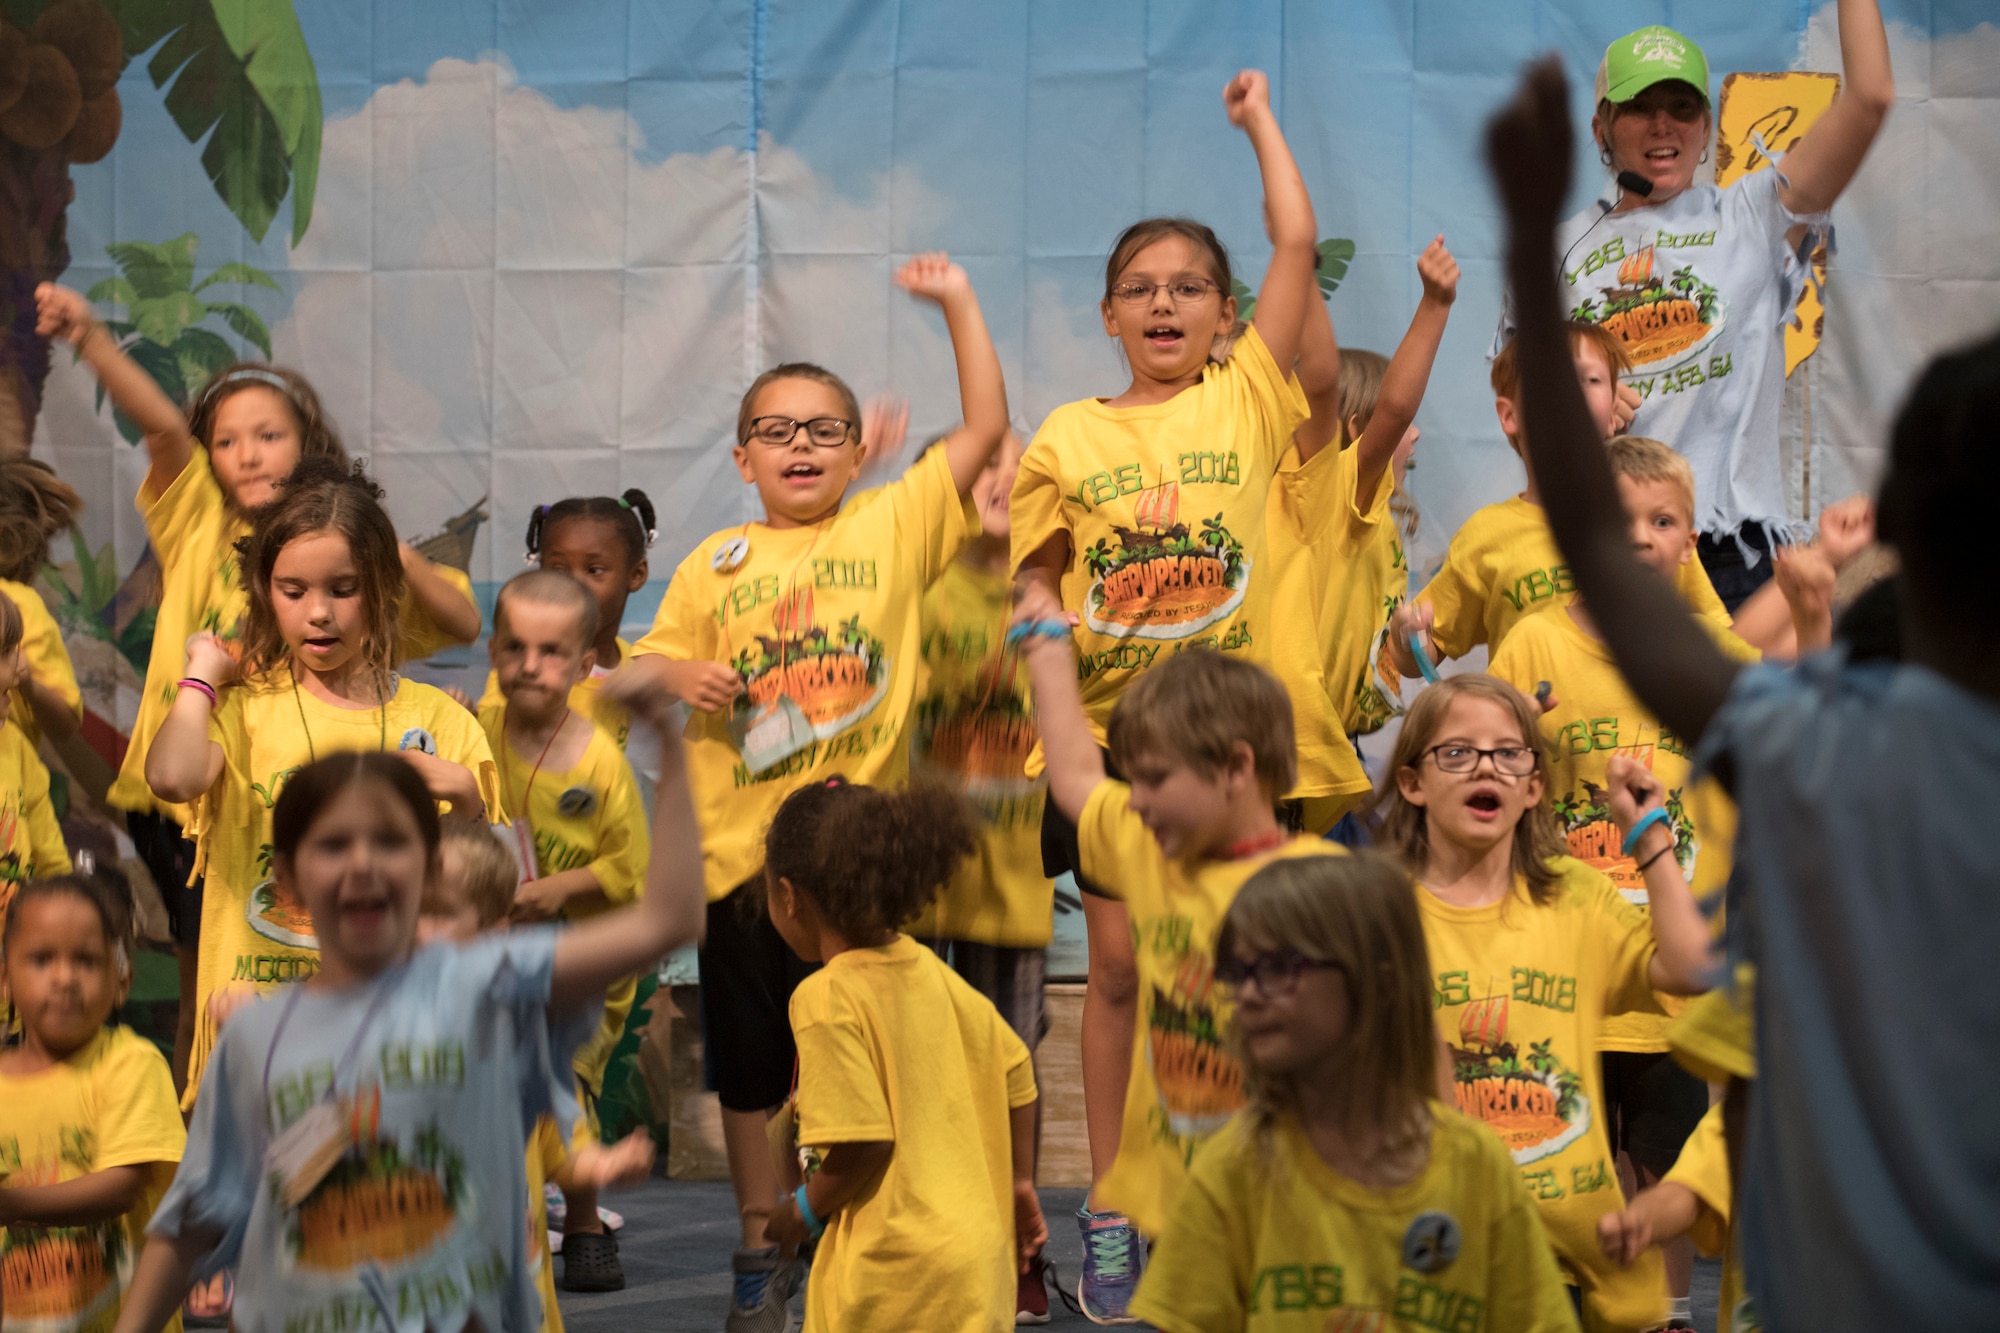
[{"x": 530, "y": 248}]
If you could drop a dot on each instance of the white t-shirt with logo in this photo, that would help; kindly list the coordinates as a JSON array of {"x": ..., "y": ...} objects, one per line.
[{"x": 1698, "y": 289}]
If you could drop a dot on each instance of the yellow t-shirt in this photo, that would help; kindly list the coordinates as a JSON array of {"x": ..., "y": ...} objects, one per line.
[
  {"x": 895, "y": 1047},
  {"x": 585, "y": 697},
  {"x": 1164, "y": 507},
  {"x": 48, "y": 659},
  {"x": 194, "y": 531},
  {"x": 1703, "y": 1170},
  {"x": 31, "y": 842},
  {"x": 1521, "y": 992},
  {"x": 829, "y": 617},
  {"x": 110, "y": 1103},
  {"x": 1596, "y": 716},
  {"x": 1343, "y": 571},
  {"x": 251, "y": 930},
  {"x": 973, "y": 729},
  {"x": 1267, "y": 1238},
  {"x": 1185, "y": 1084},
  {"x": 588, "y": 817},
  {"x": 1503, "y": 565},
  {"x": 546, "y": 1155}
]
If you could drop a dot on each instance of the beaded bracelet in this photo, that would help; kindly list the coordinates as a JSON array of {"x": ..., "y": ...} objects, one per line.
[{"x": 1657, "y": 815}]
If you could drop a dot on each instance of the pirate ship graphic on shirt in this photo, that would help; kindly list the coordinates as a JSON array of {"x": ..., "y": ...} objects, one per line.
[
  {"x": 1530, "y": 1099},
  {"x": 378, "y": 1204},
  {"x": 981, "y": 740},
  {"x": 835, "y": 677},
  {"x": 1200, "y": 1084},
  {"x": 1165, "y": 579},
  {"x": 1594, "y": 838},
  {"x": 1660, "y": 318}
]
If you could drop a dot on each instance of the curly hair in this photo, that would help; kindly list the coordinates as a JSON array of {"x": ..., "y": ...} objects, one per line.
[
  {"x": 1359, "y": 914},
  {"x": 35, "y": 504},
  {"x": 317, "y": 436},
  {"x": 104, "y": 888},
  {"x": 868, "y": 859},
  {"x": 324, "y": 495},
  {"x": 1406, "y": 830}
]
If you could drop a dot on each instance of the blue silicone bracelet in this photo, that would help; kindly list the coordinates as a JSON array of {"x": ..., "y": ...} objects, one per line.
[
  {"x": 1425, "y": 667},
  {"x": 1657, "y": 815},
  {"x": 1042, "y": 629},
  {"x": 814, "y": 1227}
]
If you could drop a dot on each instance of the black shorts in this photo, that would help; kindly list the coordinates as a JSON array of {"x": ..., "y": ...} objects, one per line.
[
  {"x": 748, "y": 974},
  {"x": 169, "y": 858},
  {"x": 1060, "y": 854},
  {"x": 1651, "y": 1105}
]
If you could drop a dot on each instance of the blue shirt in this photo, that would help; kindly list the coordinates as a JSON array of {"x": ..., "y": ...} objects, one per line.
[
  {"x": 1869, "y": 877},
  {"x": 422, "y": 1223}
]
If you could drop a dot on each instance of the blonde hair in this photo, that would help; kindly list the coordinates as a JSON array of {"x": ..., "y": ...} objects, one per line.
[
  {"x": 1406, "y": 827},
  {"x": 1641, "y": 459},
  {"x": 1505, "y": 373},
  {"x": 1358, "y": 913},
  {"x": 1194, "y": 707},
  {"x": 487, "y": 870},
  {"x": 1360, "y": 389}
]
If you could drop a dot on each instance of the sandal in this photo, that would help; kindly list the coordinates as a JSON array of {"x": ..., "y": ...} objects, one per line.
[
  {"x": 212, "y": 1312},
  {"x": 590, "y": 1263}
]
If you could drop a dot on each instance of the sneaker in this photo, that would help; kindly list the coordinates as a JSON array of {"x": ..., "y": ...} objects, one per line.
[
  {"x": 1113, "y": 1260},
  {"x": 760, "y": 1303},
  {"x": 1031, "y": 1295}
]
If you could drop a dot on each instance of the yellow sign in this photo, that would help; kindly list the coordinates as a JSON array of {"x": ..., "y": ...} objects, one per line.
[{"x": 1776, "y": 109}]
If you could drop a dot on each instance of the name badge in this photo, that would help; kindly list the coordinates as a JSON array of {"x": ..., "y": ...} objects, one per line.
[{"x": 770, "y": 735}]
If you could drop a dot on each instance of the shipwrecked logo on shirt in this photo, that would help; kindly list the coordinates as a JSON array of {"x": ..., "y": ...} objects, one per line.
[
  {"x": 1164, "y": 579},
  {"x": 835, "y": 677},
  {"x": 1593, "y": 837},
  {"x": 1200, "y": 1084},
  {"x": 1531, "y": 1100},
  {"x": 1661, "y": 318},
  {"x": 378, "y": 1206},
  {"x": 60, "y": 1277},
  {"x": 981, "y": 740}
]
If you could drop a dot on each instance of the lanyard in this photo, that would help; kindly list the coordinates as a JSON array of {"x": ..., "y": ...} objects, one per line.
[
  {"x": 384, "y": 985},
  {"x": 382, "y": 712},
  {"x": 524, "y": 820}
]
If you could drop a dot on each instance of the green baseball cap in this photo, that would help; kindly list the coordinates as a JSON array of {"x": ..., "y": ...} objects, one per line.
[{"x": 1638, "y": 60}]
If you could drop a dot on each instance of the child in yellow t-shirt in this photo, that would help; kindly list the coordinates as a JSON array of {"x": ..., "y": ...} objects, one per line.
[
  {"x": 31, "y": 842},
  {"x": 600, "y": 541},
  {"x": 1144, "y": 515},
  {"x": 796, "y": 642},
  {"x": 472, "y": 892},
  {"x": 1531, "y": 949},
  {"x": 1341, "y": 566},
  {"x": 1206, "y": 741},
  {"x": 1503, "y": 566},
  {"x": 91, "y": 1132},
  {"x": 35, "y": 505},
  {"x": 1344, "y": 1192},
  {"x": 1590, "y": 716},
  {"x": 324, "y": 581},
  {"x": 242, "y": 434},
  {"x": 916, "y": 1101},
  {"x": 577, "y": 822}
]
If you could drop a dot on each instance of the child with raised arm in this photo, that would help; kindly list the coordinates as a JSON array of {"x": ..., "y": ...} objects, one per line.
[
  {"x": 1334, "y": 542},
  {"x": 241, "y": 435},
  {"x": 1206, "y": 742},
  {"x": 1531, "y": 949},
  {"x": 316, "y": 677},
  {"x": 35, "y": 505},
  {"x": 1144, "y": 515},
  {"x": 577, "y": 823},
  {"x": 796, "y": 641},
  {"x": 90, "y": 1132},
  {"x": 916, "y": 1101},
  {"x": 1344, "y": 1192},
  {"x": 1864, "y": 790}
]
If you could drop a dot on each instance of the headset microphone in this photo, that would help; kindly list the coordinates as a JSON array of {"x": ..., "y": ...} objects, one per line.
[{"x": 1633, "y": 183}]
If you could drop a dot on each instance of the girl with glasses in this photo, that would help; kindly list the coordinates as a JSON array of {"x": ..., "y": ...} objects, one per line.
[
  {"x": 1530, "y": 949},
  {"x": 1344, "y": 1188}
]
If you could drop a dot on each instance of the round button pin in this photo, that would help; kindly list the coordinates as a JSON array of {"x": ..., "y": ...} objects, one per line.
[
  {"x": 729, "y": 556},
  {"x": 416, "y": 738},
  {"x": 576, "y": 802},
  {"x": 1431, "y": 1243}
]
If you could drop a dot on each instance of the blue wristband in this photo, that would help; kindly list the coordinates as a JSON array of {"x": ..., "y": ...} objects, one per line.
[
  {"x": 814, "y": 1227},
  {"x": 1040, "y": 629},
  {"x": 1425, "y": 667},
  {"x": 1657, "y": 815}
]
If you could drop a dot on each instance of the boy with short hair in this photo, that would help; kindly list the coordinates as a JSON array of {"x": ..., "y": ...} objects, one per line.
[
  {"x": 579, "y": 828},
  {"x": 472, "y": 892},
  {"x": 1208, "y": 743},
  {"x": 1503, "y": 566},
  {"x": 1651, "y": 1105}
]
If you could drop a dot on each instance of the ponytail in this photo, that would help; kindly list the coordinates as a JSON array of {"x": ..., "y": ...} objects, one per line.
[{"x": 631, "y": 514}]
